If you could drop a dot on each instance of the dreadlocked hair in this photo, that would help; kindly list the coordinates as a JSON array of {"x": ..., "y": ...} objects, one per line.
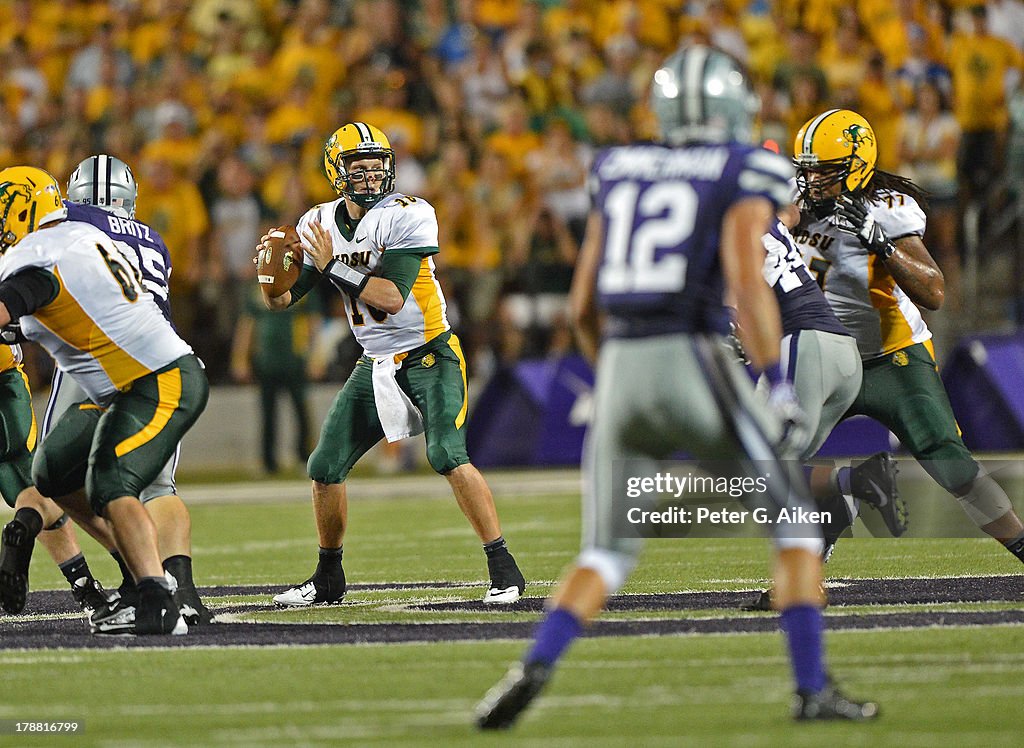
[{"x": 884, "y": 181}]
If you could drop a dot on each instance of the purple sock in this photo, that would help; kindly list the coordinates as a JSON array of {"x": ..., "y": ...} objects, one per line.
[
  {"x": 804, "y": 626},
  {"x": 554, "y": 635}
]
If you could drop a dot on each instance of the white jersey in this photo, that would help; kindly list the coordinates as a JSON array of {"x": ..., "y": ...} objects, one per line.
[
  {"x": 857, "y": 285},
  {"x": 397, "y": 223},
  {"x": 102, "y": 329}
]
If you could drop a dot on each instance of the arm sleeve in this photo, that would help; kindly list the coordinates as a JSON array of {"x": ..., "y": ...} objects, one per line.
[
  {"x": 402, "y": 268},
  {"x": 308, "y": 279},
  {"x": 28, "y": 290}
]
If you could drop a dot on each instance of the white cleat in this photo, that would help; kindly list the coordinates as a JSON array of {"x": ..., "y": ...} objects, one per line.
[
  {"x": 506, "y": 596},
  {"x": 306, "y": 595}
]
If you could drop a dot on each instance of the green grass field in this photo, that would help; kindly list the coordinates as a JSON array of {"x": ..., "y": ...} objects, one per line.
[{"x": 937, "y": 686}]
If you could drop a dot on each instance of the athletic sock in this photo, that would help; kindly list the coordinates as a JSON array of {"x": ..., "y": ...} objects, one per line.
[
  {"x": 75, "y": 568},
  {"x": 32, "y": 520},
  {"x": 553, "y": 636},
  {"x": 126, "y": 575},
  {"x": 180, "y": 567},
  {"x": 330, "y": 561},
  {"x": 804, "y": 627},
  {"x": 149, "y": 585},
  {"x": 1016, "y": 547},
  {"x": 496, "y": 547},
  {"x": 844, "y": 476}
]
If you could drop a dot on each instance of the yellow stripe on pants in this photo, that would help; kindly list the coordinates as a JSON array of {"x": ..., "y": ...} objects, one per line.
[
  {"x": 456, "y": 346},
  {"x": 169, "y": 389},
  {"x": 33, "y": 432}
]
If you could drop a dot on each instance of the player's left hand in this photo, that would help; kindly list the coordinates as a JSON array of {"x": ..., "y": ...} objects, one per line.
[
  {"x": 855, "y": 219},
  {"x": 321, "y": 249},
  {"x": 782, "y": 400}
]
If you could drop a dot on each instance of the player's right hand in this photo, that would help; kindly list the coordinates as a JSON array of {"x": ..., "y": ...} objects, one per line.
[{"x": 10, "y": 334}]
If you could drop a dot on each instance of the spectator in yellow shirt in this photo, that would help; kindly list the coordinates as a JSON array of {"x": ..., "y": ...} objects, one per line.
[
  {"x": 980, "y": 64},
  {"x": 174, "y": 207}
]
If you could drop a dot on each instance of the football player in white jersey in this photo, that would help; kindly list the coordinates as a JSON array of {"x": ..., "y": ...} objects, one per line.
[
  {"x": 102, "y": 191},
  {"x": 861, "y": 236},
  {"x": 76, "y": 295},
  {"x": 376, "y": 246}
]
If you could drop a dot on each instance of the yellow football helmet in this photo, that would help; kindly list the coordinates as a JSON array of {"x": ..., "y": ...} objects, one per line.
[
  {"x": 29, "y": 198},
  {"x": 358, "y": 140},
  {"x": 837, "y": 147}
]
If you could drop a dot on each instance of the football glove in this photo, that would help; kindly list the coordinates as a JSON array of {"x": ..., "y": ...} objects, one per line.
[
  {"x": 10, "y": 334},
  {"x": 783, "y": 402},
  {"x": 855, "y": 219},
  {"x": 734, "y": 346}
]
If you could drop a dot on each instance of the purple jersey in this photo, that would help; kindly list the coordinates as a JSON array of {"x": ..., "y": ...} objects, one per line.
[
  {"x": 140, "y": 244},
  {"x": 662, "y": 211},
  {"x": 802, "y": 303}
]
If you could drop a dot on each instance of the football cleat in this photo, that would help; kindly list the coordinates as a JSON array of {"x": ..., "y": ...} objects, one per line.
[
  {"x": 90, "y": 595},
  {"x": 192, "y": 608},
  {"x": 763, "y": 601},
  {"x": 502, "y": 705},
  {"x": 314, "y": 591},
  {"x": 873, "y": 482},
  {"x": 829, "y": 704},
  {"x": 15, "y": 558},
  {"x": 507, "y": 582},
  {"x": 157, "y": 614},
  {"x": 116, "y": 618}
]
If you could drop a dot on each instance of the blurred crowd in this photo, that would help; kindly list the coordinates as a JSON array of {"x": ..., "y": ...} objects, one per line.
[{"x": 494, "y": 108}]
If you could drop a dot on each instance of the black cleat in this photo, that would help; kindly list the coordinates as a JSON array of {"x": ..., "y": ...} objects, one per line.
[
  {"x": 873, "y": 482},
  {"x": 503, "y": 704},
  {"x": 90, "y": 595},
  {"x": 128, "y": 593},
  {"x": 192, "y": 608},
  {"x": 15, "y": 558},
  {"x": 157, "y": 614},
  {"x": 762, "y": 602},
  {"x": 116, "y": 618},
  {"x": 829, "y": 704},
  {"x": 507, "y": 582}
]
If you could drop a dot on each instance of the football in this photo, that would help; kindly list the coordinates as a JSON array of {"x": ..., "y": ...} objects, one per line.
[{"x": 279, "y": 263}]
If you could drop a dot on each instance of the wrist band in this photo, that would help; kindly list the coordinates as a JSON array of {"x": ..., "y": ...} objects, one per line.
[{"x": 346, "y": 278}]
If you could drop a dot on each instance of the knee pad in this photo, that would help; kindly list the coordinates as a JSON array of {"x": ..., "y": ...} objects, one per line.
[
  {"x": 986, "y": 501},
  {"x": 612, "y": 567}
]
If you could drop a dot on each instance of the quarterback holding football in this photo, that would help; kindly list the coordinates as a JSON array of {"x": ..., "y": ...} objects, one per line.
[{"x": 375, "y": 246}]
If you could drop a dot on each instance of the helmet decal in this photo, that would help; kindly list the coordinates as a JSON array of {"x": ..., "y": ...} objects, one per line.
[
  {"x": 29, "y": 198},
  {"x": 835, "y": 153}
]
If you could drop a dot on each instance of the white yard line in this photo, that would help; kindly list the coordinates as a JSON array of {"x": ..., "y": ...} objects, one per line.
[{"x": 503, "y": 483}]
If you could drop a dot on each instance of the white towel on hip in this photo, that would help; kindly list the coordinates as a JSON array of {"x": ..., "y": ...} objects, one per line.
[{"x": 398, "y": 416}]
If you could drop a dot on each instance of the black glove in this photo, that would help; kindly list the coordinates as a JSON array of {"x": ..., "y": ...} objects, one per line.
[
  {"x": 854, "y": 219},
  {"x": 10, "y": 334}
]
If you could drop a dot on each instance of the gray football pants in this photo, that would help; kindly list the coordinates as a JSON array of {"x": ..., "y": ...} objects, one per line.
[
  {"x": 826, "y": 372},
  {"x": 660, "y": 395}
]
